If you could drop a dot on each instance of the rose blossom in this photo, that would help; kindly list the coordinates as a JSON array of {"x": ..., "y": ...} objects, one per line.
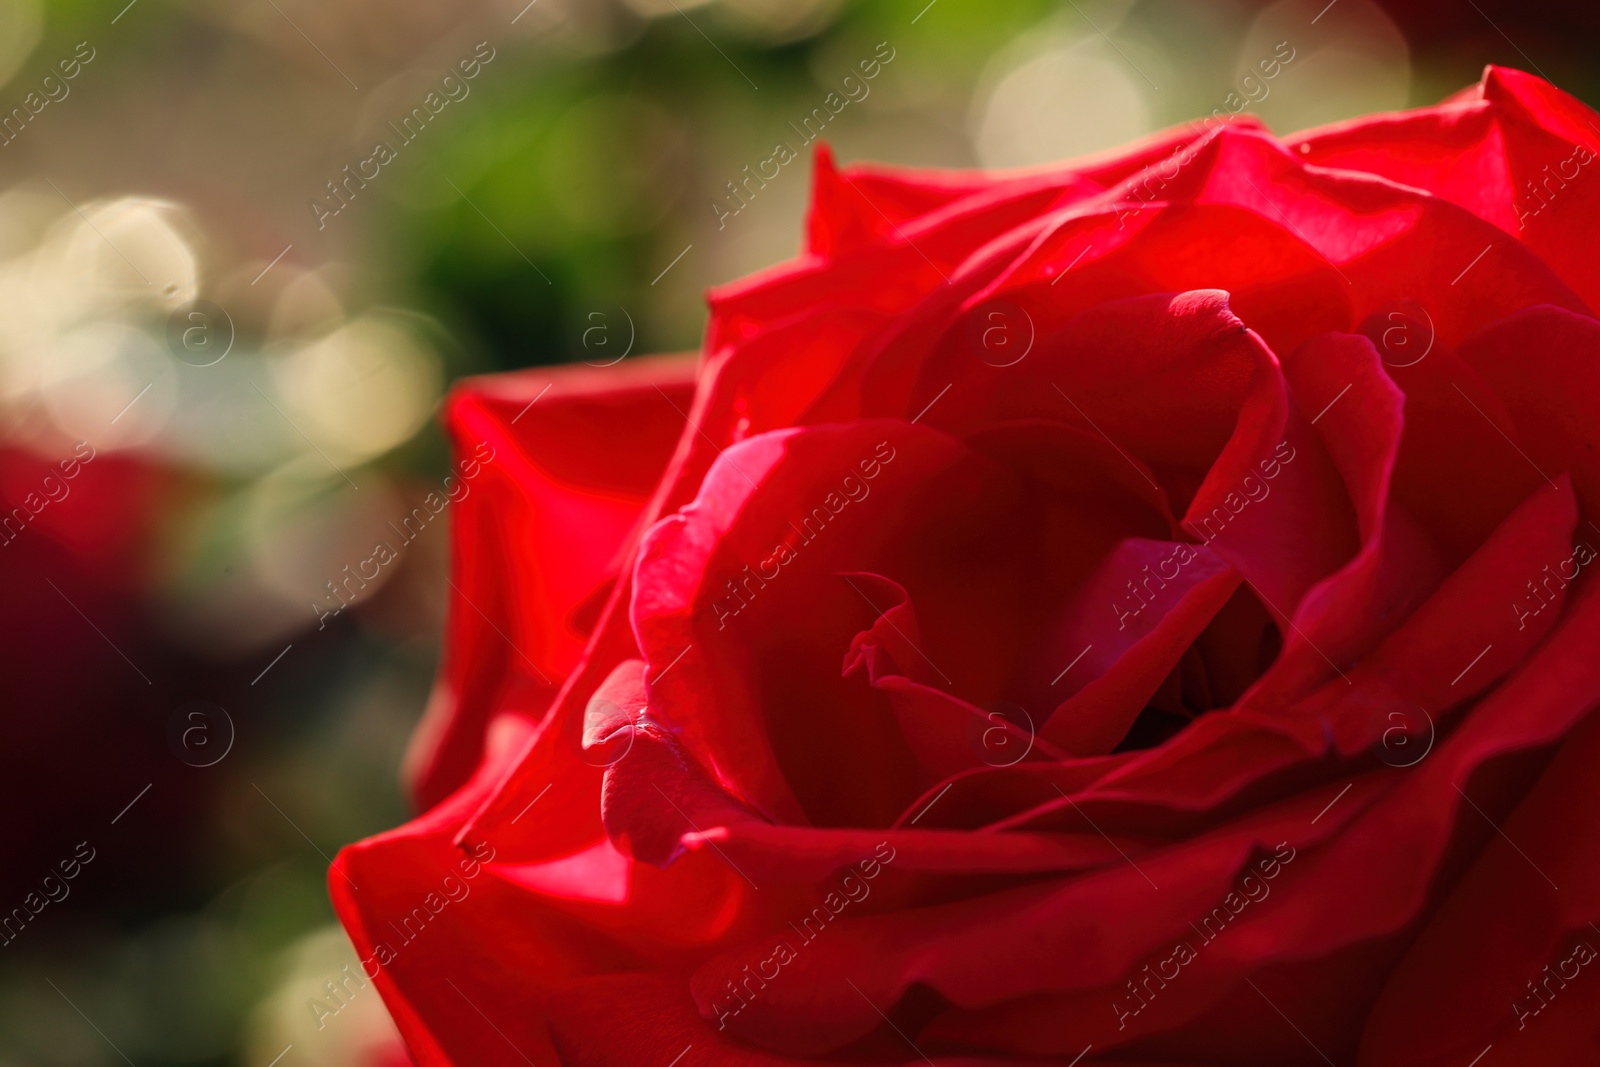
[{"x": 1130, "y": 612}]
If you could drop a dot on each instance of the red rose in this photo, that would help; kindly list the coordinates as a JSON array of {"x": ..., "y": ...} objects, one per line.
[{"x": 1135, "y": 612}]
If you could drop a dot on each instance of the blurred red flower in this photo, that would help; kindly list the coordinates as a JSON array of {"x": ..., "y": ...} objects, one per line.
[{"x": 86, "y": 682}]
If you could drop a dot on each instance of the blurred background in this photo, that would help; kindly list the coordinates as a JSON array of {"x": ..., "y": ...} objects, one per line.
[{"x": 245, "y": 246}]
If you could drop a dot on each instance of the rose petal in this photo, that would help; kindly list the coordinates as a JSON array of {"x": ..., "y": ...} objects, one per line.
[
  {"x": 1505, "y": 151},
  {"x": 537, "y": 534}
]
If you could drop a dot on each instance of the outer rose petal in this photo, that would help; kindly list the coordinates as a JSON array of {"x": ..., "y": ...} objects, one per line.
[
  {"x": 469, "y": 954},
  {"x": 575, "y": 454},
  {"x": 377, "y": 882},
  {"x": 1465, "y": 982},
  {"x": 863, "y": 206},
  {"x": 1514, "y": 151},
  {"x": 592, "y": 1032}
]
